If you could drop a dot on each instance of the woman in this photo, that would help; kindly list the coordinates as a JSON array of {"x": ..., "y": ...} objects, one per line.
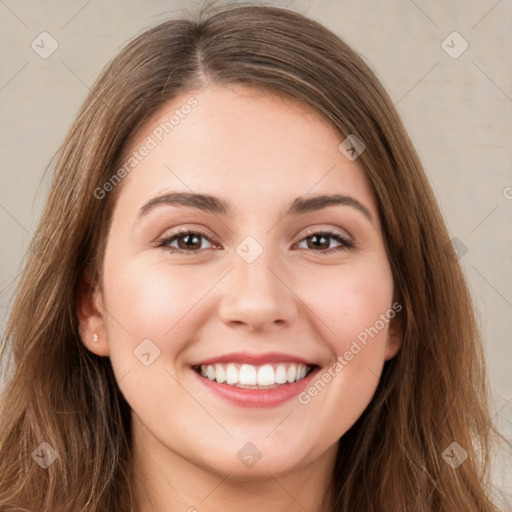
[{"x": 241, "y": 294}]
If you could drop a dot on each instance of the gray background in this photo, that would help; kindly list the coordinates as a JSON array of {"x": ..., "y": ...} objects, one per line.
[{"x": 458, "y": 112}]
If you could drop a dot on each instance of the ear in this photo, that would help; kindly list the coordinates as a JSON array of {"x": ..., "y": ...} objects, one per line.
[
  {"x": 91, "y": 316},
  {"x": 394, "y": 340}
]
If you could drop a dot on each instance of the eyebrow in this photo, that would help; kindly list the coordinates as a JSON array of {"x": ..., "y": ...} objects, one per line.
[{"x": 218, "y": 206}]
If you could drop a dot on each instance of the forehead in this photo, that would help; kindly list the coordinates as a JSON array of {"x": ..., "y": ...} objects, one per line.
[{"x": 239, "y": 142}]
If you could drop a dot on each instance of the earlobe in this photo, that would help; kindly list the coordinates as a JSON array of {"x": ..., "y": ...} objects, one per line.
[
  {"x": 392, "y": 349},
  {"x": 393, "y": 343},
  {"x": 91, "y": 317}
]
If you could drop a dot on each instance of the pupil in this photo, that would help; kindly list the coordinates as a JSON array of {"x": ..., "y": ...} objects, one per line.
[
  {"x": 316, "y": 239},
  {"x": 193, "y": 239}
]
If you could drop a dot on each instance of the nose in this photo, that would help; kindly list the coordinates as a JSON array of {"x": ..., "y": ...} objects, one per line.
[{"x": 257, "y": 296}]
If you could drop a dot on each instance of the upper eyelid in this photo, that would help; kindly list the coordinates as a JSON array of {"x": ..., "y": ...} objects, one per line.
[{"x": 342, "y": 232}]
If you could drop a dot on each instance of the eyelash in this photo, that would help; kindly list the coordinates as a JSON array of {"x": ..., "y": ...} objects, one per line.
[{"x": 346, "y": 245}]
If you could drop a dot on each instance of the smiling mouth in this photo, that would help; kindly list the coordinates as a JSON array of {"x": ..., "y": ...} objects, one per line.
[{"x": 248, "y": 376}]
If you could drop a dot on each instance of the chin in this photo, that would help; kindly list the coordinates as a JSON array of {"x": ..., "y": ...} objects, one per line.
[{"x": 251, "y": 463}]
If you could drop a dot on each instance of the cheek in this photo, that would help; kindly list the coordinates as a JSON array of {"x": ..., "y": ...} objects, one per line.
[
  {"x": 150, "y": 310},
  {"x": 355, "y": 307},
  {"x": 154, "y": 299},
  {"x": 350, "y": 301}
]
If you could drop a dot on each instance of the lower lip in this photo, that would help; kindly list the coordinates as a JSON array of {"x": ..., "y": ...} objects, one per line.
[{"x": 264, "y": 398}]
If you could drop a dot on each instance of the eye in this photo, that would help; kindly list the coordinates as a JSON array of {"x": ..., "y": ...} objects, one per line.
[
  {"x": 190, "y": 241},
  {"x": 320, "y": 240},
  {"x": 187, "y": 241}
]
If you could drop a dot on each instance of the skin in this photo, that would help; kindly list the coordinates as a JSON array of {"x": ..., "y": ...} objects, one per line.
[{"x": 258, "y": 152}]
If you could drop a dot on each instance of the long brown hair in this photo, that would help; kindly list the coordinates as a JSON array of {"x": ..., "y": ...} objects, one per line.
[{"x": 432, "y": 394}]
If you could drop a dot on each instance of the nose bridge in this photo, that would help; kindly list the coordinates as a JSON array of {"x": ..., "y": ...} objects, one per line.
[{"x": 255, "y": 294}]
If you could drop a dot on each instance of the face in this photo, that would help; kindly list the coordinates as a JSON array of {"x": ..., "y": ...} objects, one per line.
[{"x": 247, "y": 332}]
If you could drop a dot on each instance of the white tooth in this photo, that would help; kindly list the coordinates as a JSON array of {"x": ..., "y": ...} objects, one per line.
[
  {"x": 232, "y": 374},
  {"x": 266, "y": 375},
  {"x": 248, "y": 375},
  {"x": 292, "y": 373},
  {"x": 281, "y": 374},
  {"x": 210, "y": 372},
  {"x": 220, "y": 374}
]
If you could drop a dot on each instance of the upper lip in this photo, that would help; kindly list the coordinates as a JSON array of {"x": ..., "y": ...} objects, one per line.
[{"x": 254, "y": 359}]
